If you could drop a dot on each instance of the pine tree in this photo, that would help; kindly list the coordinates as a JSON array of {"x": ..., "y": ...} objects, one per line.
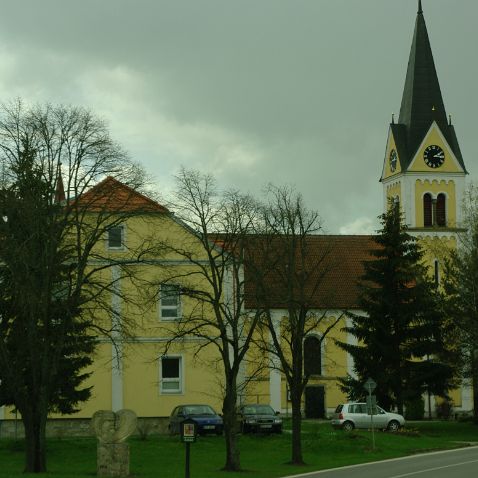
[{"x": 400, "y": 338}]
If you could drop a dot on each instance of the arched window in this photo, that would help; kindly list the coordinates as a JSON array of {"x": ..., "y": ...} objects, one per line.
[
  {"x": 441, "y": 210},
  {"x": 312, "y": 356},
  {"x": 427, "y": 210}
]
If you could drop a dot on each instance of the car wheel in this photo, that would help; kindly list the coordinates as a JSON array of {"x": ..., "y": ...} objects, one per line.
[
  {"x": 348, "y": 426},
  {"x": 393, "y": 426}
]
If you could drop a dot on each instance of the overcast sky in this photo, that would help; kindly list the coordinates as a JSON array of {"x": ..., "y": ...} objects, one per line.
[{"x": 285, "y": 91}]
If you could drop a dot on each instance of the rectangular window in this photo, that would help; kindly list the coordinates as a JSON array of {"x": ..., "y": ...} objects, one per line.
[
  {"x": 169, "y": 301},
  {"x": 116, "y": 237},
  {"x": 171, "y": 375}
]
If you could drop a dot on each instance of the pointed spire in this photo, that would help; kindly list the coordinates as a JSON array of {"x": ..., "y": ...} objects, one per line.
[
  {"x": 422, "y": 101},
  {"x": 60, "y": 190}
]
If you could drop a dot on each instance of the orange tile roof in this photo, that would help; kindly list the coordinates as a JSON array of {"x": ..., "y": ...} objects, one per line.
[
  {"x": 113, "y": 195},
  {"x": 336, "y": 263}
]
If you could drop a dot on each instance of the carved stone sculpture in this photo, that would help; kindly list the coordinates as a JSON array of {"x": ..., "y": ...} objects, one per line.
[{"x": 112, "y": 429}]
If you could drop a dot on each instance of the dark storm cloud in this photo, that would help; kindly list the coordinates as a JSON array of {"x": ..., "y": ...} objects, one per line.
[{"x": 263, "y": 90}]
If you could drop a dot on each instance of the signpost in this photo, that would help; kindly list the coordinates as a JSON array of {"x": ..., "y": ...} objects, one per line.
[
  {"x": 370, "y": 386},
  {"x": 188, "y": 436}
]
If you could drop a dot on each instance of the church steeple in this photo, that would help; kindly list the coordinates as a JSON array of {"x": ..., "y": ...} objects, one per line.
[
  {"x": 422, "y": 101},
  {"x": 423, "y": 168}
]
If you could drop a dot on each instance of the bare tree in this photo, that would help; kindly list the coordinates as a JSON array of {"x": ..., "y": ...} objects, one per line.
[
  {"x": 55, "y": 269},
  {"x": 291, "y": 265},
  {"x": 214, "y": 246}
]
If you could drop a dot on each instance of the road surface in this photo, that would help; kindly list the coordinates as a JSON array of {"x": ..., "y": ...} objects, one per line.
[{"x": 461, "y": 463}]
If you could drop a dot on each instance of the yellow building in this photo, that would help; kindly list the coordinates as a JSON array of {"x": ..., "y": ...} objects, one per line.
[{"x": 423, "y": 170}]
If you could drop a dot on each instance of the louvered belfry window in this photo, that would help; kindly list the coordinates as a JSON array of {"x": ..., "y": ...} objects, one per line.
[
  {"x": 441, "y": 210},
  {"x": 427, "y": 210}
]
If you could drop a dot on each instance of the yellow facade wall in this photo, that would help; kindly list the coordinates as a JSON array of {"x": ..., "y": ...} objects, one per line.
[
  {"x": 394, "y": 190},
  {"x": 334, "y": 366},
  {"x": 449, "y": 165},
  {"x": 141, "y": 380}
]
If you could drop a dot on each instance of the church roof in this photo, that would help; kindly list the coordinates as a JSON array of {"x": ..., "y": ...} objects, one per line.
[
  {"x": 337, "y": 262},
  {"x": 422, "y": 101}
]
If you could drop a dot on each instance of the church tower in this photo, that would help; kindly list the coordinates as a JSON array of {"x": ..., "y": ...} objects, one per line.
[{"x": 423, "y": 167}]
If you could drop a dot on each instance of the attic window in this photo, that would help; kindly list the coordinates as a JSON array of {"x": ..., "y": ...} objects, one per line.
[{"x": 116, "y": 237}]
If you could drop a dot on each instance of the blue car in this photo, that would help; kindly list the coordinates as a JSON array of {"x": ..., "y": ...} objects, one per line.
[{"x": 208, "y": 421}]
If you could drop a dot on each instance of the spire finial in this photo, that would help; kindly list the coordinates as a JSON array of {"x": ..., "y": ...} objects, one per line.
[{"x": 420, "y": 10}]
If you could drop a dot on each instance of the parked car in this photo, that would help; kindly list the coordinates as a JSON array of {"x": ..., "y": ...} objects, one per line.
[
  {"x": 354, "y": 415},
  {"x": 259, "y": 418},
  {"x": 208, "y": 421}
]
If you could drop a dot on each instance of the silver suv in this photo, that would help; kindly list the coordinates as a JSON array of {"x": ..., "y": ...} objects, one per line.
[{"x": 354, "y": 415}]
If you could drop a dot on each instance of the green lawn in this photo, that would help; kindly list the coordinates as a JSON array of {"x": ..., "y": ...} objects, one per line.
[{"x": 262, "y": 456}]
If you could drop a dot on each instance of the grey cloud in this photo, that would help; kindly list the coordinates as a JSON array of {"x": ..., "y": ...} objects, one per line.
[{"x": 288, "y": 91}]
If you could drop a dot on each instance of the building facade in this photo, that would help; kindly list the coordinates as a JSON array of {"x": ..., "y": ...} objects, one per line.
[{"x": 423, "y": 170}]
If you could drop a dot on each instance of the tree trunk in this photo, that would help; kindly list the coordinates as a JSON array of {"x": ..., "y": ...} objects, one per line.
[
  {"x": 233, "y": 462},
  {"x": 296, "y": 429},
  {"x": 35, "y": 424}
]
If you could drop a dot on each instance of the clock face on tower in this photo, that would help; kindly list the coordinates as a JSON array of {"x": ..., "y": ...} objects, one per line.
[
  {"x": 393, "y": 160},
  {"x": 434, "y": 156}
]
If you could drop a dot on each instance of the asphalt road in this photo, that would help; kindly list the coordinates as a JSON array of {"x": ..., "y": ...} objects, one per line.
[{"x": 461, "y": 463}]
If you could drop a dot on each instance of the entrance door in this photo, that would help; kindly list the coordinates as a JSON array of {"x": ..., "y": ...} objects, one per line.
[{"x": 315, "y": 402}]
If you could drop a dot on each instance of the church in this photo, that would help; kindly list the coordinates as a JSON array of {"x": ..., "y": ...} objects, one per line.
[{"x": 423, "y": 171}]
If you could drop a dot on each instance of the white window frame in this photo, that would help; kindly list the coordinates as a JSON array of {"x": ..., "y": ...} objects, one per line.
[
  {"x": 180, "y": 389},
  {"x": 123, "y": 238},
  {"x": 162, "y": 306}
]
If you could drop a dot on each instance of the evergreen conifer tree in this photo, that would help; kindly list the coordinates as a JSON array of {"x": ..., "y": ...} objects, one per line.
[{"x": 400, "y": 337}]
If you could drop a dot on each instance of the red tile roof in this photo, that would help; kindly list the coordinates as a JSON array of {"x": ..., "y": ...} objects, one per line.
[
  {"x": 336, "y": 263},
  {"x": 113, "y": 195}
]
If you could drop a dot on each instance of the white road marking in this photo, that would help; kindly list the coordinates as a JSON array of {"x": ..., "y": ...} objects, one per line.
[
  {"x": 434, "y": 469},
  {"x": 359, "y": 465}
]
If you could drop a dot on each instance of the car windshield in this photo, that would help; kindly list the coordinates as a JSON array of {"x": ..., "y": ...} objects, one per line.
[
  {"x": 339, "y": 409},
  {"x": 199, "y": 410},
  {"x": 258, "y": 410}
]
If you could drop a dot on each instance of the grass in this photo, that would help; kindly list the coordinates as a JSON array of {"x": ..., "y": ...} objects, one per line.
[{"x": 261, "y": 456}]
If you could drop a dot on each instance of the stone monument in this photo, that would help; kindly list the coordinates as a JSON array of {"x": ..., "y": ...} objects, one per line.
[{"x": 112, "y": 429}]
